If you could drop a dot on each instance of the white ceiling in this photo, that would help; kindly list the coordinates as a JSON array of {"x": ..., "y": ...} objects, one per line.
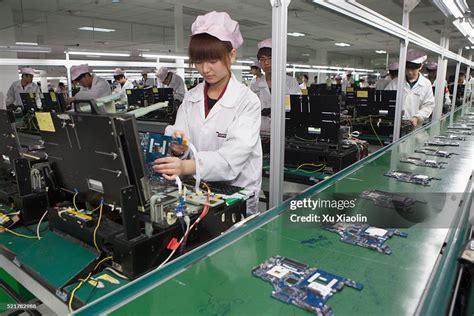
[{"x": 149, "y": 24}]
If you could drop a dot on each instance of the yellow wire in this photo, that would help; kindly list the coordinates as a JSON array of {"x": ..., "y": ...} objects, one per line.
[
  {"x": 18, "y": 234},
  {"x": 310, "y": 164},
  {"x": 313, "y": 171},
  {"x": 97, "y": 227},
  {"x": 306, "y": 140},
  {"x": 370, "y": 119},
  {"x": 84, "y": 281},
  {"x": 74, "y": 201}
]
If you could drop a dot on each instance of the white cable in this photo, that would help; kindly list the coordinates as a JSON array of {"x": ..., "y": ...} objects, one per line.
[
  {"x": 39, "y": 224},
  {"x": 180, "y": 185},
  {"x": 116, "y": 273},
  {"x": 198, "y": 176}
]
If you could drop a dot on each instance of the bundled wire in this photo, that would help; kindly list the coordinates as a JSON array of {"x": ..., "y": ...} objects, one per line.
[
  {"x": 98, "y": 224},
  {"x": 189, "y": 229},
  {"x": 82, "y": 281},
  {"x": 39, "y": 224},
  {"x": 373, "y": 129}
]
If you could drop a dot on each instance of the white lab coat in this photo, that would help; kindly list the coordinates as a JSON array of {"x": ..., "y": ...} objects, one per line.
[
  {"x": 254, "y": 85},
  {"x": 123, "y": 89},
  {"x": 381, "y": 84},
  {"x": 447, "y": 98},
  {"x": 419, "y": 100},
  {"x": 263, "y": 92},
  {"x": 179, "y": 89},
  {"x": 100, "y": 88},
  {"x": 346, "y": 83},
  {"x": 228, "y": 140},
  {"x": 13, "y": 94}
]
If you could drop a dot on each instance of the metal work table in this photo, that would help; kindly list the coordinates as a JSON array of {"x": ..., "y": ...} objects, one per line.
[{"x": 216, "y": 278}]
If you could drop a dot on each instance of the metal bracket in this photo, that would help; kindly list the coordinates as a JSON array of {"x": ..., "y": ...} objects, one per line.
[{"x": 409, "y": 5}]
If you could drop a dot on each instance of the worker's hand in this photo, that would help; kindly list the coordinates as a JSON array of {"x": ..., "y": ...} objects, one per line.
[
  {"x": 179, "y": 150},
  {"x": 415, "y": 121},
  {"x": 170, "y": 167},
  {"x": 70, "y": 100}
]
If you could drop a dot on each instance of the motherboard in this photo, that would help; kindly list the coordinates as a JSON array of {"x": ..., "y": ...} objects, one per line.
[
  {"x": 364, "y": 235},
  {"x": 423, "y": 162},
  {"x": 405, "y": 176},
  {"x": 298, "y": 284}
]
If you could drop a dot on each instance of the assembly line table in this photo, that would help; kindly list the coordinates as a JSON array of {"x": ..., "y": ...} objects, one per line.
[{"x": 216, "y": 279}]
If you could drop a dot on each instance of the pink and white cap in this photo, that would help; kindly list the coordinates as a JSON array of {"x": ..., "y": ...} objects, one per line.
[
  {"x": 119, "y": 71},
  {"x": 162, "y": 73},
  {"x": 220, "y": 25},
  {"x": 78, "y": 70},
  {"x": 393, "y": 66},
  {"x": 27, "y": 71},
  {"x": 416, "y": 56},
  {"x": 432, "y": 66},
  {"x": 265, "y": 43}
]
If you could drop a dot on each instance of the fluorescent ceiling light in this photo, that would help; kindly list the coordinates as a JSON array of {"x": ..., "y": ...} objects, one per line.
[
  {"x": 163, "y": 56},
  {"x": 342, "y": 44},
  {"x": 95, "y": 29},
  {"x": 301, "y": 66},
  {"x": 143, "y": 49},
  {"x": 25, "y": 49},
  {"x": 27, "y": 43},
  {"x": 85, "y": 53},
  {"x": 457, "y": 8},
  {"x": 296, "y": 34},
  {"x": 380, "y": 52},
  {"x": 92, "y": 56},
  {"x": 464, "y": 26},
  {"x": 245, "y": 61}
]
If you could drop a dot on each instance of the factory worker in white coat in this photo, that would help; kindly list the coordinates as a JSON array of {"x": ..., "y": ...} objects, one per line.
[
  {"x": 432, "y": 69},
  {"x": 419, "y": 100},
  {"x": 262, "y": 85},
  {"x": 172, "y": 80},
  {"x": 25, "y": 85},
  {"x": 122, "y": 82},
  {"x": 381, "y": 84},
  {"x": 220, "y": 117},
  {"x": 92, "y": 87}
]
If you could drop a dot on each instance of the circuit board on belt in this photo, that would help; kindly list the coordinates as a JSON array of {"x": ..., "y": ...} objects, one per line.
[
  {"x": 423, "y": 162},
  {"x": 451, "y": 137},
  {"x": 405, "y": 176},
  {"x": 364, "y": 235},
  {"x": 441, "y": 143},
  {"x": 298, "y": 284},
  {"x": 388, "y": 200},
  {"x": 434, "y": 152}
]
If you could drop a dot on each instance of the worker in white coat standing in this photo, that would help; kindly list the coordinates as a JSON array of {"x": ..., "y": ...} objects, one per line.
[
  {"x": 419, "y": 100},
  {"x": 432, "y": 69},
  {"x": 122, "y": 82},
  {"x": 172, "y": 80},
  {"x": 263, "y": 85},
  {"x": 220, "y": 117},
  {"x": 92, "y": 87},
  {"x": 381, "y": 84},
  {"x": 25, "y": 85}
]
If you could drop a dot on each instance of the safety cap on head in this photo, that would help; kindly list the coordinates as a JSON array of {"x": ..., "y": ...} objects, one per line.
[
  {"x": 393, "y": 66},
  {"x": 219, "y": 25},
  {"x": 27, "y": 71},
  {"x": 162, "y": 73},
  {"x": 119, "y": 71},
  {"x": 432, "y": 66},
  {"x": 265, "y": 43},
  {"x": 416, "y": 57},
  {"x": 77, "y": 71}
]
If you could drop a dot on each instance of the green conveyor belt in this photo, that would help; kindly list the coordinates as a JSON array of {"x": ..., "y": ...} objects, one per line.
[{"x": 216, "y": 279}]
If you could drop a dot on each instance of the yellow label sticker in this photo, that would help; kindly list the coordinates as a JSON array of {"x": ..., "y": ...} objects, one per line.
[
  {"x": 32, "y": 95},
  {"x": 349, "y": 89},
  {"x": 363, "y": 94},
  {"x": 155, "y": 90},
  {"x": 108, "y": 278},
  {"x": 45, "y": 122},
  {"x": 129, "y": 91},
  {"x": 287, "y": 103},
  {"x": 53, "y": 96}
]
